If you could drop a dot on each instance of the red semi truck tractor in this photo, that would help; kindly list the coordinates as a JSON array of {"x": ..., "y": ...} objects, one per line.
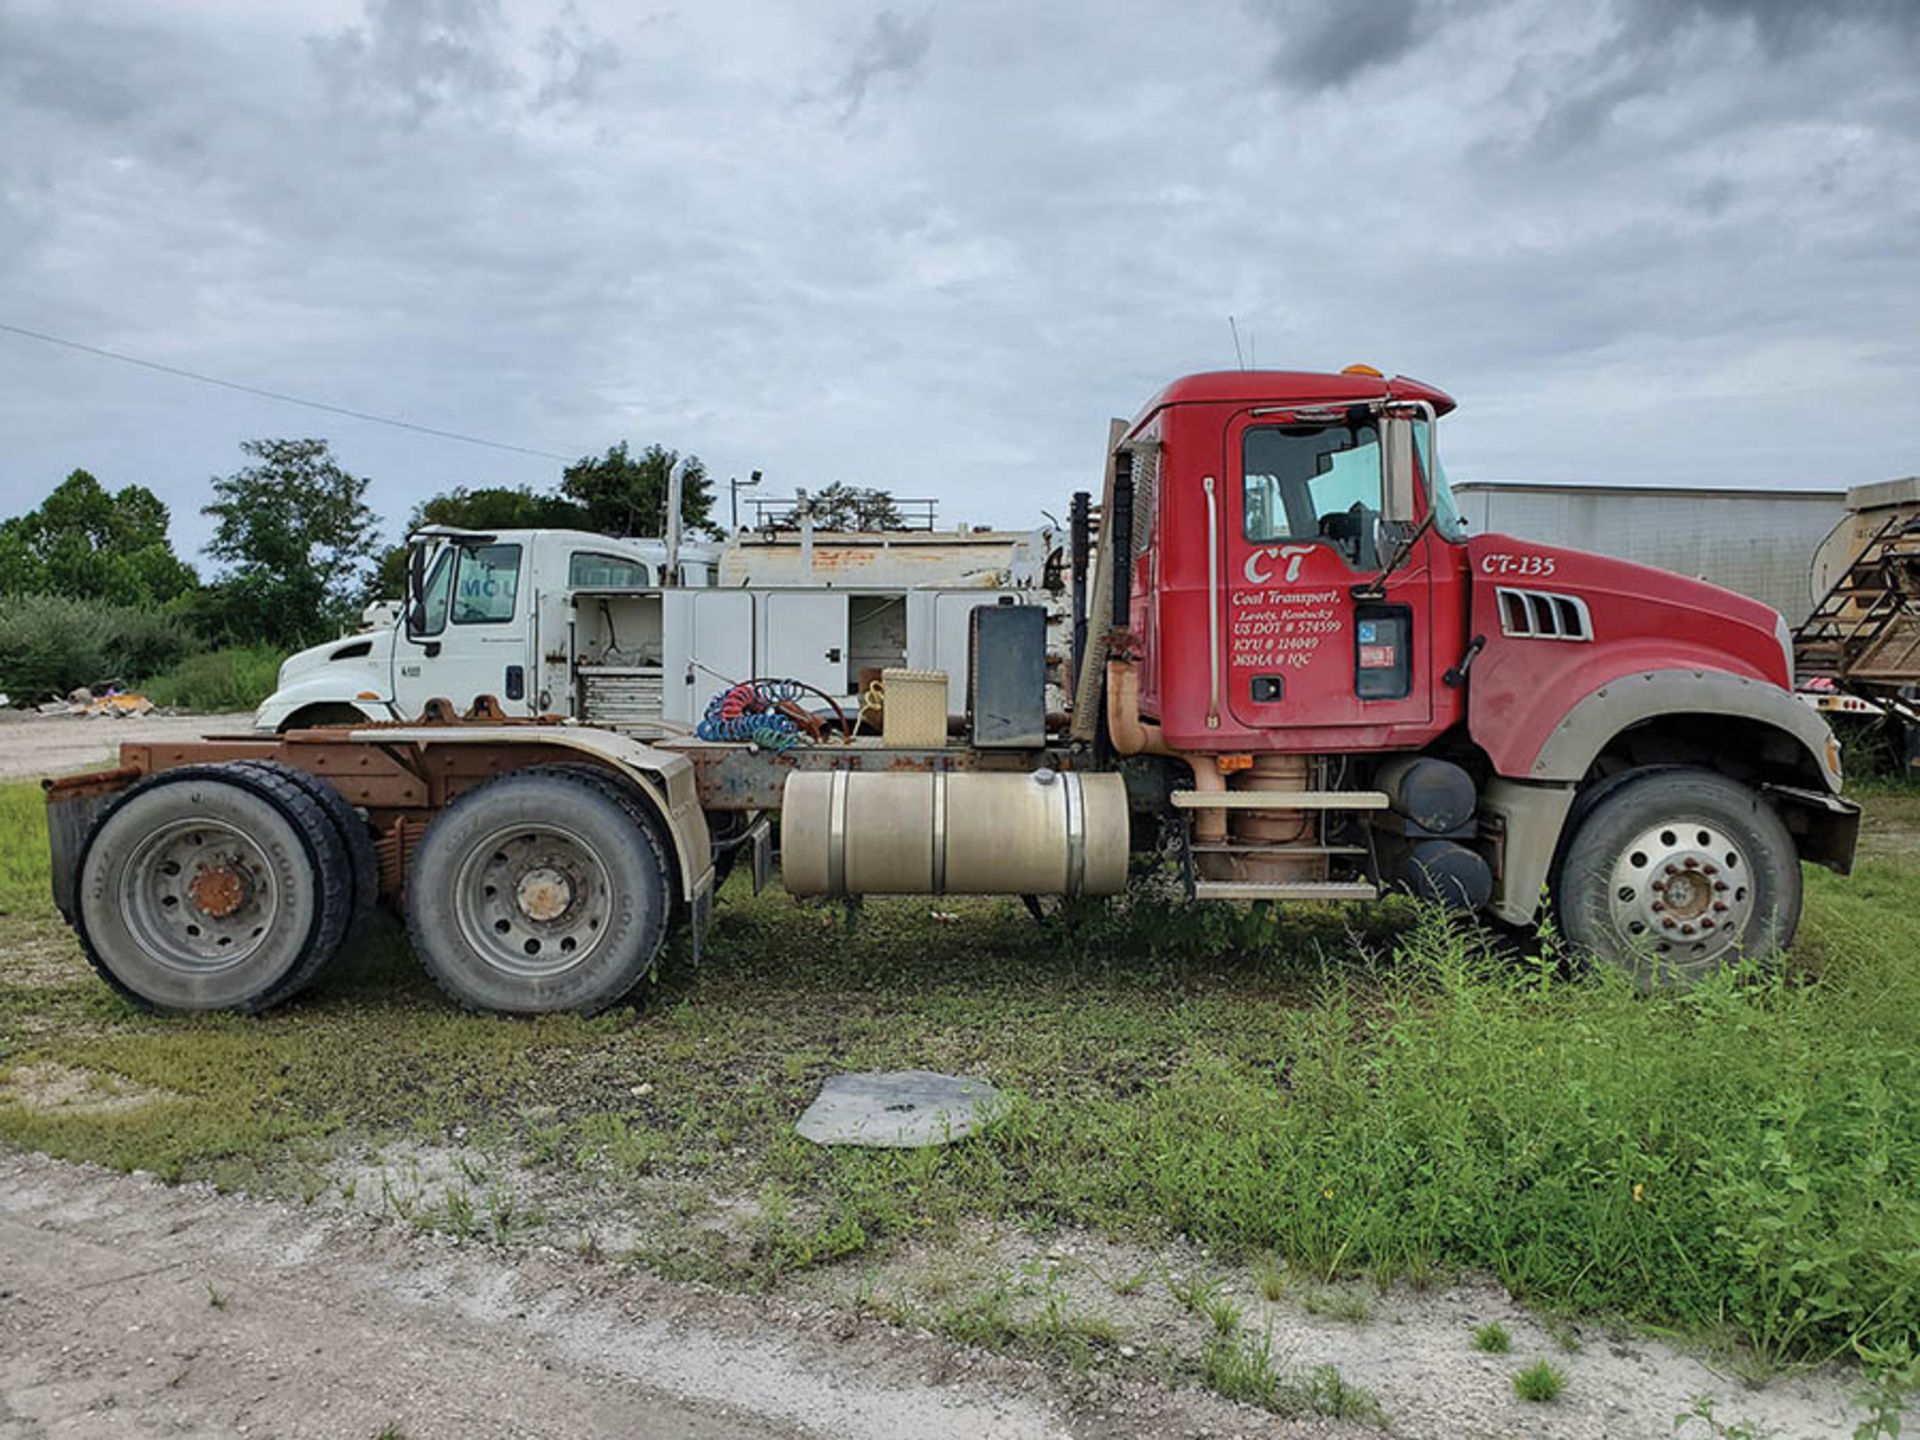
[{"x": 1293, "y": 680}]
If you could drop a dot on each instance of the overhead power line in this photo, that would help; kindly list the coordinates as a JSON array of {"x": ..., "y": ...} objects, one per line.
[{"x": 278, "y": 395}]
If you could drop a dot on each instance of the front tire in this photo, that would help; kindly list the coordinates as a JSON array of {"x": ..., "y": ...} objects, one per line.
[
  {"x": 1675, "y": 872},
  {"x": 546, "y": 889}
]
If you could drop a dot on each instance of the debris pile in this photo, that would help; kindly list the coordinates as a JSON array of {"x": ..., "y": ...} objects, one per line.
[{"x": 84, "y": 704}]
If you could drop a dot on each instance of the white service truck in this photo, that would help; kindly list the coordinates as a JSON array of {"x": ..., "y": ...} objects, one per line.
[{"x": 591, "y": 627}]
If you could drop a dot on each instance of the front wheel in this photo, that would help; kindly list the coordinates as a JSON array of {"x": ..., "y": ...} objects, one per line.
[{"x": 1674, "y": 872}]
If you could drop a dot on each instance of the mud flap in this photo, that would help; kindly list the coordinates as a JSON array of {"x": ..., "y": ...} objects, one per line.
[
  {"x": 69, "y": 823},
  {"x": 1825, "y": 827},
  {"x": 702, "y": 912},
  {"x": 760, "y": 837}
]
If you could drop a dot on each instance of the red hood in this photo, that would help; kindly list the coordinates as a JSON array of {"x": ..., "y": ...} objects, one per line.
[{"x": 1642, "y": 619}]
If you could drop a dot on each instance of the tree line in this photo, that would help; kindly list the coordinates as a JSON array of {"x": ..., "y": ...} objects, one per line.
[
  {"x": 296, "y": 548},
  {"x": 91, "y": 588}
]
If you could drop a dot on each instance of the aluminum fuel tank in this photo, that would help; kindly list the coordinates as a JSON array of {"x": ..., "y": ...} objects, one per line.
[{"x": 1048, "y": 832}]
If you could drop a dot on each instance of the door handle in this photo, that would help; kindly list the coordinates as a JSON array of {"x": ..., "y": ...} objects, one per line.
[{"x": 834, "y": 655}]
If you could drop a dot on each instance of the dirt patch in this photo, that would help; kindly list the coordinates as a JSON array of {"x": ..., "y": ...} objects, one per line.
[
  {"x": 1890, "y": 828},
  {"x": 1112, "y": 1320},
  {"x": 146, "y": 1310},
  {"x": 1155, "y": 1315},
  {"x": 48, "y": 1088}
]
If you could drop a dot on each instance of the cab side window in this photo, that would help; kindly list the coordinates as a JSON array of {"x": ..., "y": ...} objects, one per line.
[
  {"x": 485, "y": 583},
  {"x": 1314, "y": 482},
  {"x": 591, "y": 570}
]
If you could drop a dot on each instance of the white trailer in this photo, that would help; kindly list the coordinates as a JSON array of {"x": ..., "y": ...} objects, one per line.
[{"x": 1760, "y": 543}]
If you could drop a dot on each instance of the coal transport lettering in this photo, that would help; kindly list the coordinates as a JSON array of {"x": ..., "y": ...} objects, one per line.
[{"x": 1281, "y": 628}]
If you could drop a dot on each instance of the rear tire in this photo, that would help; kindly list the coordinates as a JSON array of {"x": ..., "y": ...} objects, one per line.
[
  {"x": 356, "y": 838},
  {"x": 1673, "y": 873},
  {"x": 212, "y": 887},
  {"x": 546, "y": 889}
]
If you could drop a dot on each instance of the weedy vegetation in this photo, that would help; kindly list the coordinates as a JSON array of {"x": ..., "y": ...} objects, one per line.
[
  {"x": 1492, "y": 1338},
  {"x": 1378, "y": 1093},
  {"x": 1539, "y": 1382}
]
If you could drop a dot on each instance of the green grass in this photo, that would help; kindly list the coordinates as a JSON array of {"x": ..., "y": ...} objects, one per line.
[
  {"x": 237, "y": 678},
  {"x": 1492, "y": 1338},
  {"x": 1241, "y": 1367},
  {"x": 1367, "y": 1093},
  {"x": 1539, "y": 1382},
  {"x": 23, "y": 853}
]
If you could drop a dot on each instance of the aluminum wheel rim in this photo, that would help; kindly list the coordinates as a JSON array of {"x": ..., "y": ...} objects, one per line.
[
  {"x": 533, "y": 901},
  {"x": 200, "y": 896},
  {"x": 1682, "y": 892}
]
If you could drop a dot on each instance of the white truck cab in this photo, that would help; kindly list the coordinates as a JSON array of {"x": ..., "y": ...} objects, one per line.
[{"x": 484, "y": 607}]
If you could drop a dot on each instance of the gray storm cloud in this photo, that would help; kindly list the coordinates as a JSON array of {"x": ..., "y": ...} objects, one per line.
[{"x": 935, "y": 247}]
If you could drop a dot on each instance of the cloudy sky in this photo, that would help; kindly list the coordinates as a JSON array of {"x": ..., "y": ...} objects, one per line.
[{"x": 935, "y": 246}]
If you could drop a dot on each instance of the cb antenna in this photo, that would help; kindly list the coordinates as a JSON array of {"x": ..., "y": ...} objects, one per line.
[{"x": 1240, "y": 359}]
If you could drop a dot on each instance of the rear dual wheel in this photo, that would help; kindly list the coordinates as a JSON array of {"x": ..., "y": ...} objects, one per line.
[
  {"x": 214, "y": 887},
  {"x": 546, "y": 889}
]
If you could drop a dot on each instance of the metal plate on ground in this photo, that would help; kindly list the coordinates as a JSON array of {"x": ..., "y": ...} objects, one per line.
[{"x": 898, "y": 1109}]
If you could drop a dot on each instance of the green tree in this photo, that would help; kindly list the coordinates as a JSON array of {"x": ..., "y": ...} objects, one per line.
[
  {"x": 624, "y": 494},
  {"x": 89, "y": 544},
  {"x": 854, "y": 507},
  {"x": 298, "y": 539},
  {"x": 485, "y": 507}
]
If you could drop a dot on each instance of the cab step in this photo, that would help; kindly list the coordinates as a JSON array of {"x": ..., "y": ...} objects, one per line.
[
  {"x": 1285, "y": 890},
  {"x": 1211, "y": 848},
  {"x": 1279, "y": 799}
]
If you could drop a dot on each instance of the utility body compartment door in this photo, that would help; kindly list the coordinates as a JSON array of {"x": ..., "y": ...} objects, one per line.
[
  {"x": 803, "y": 636},
  {"x": 707, "y": 642},
  {"x": 552, "y": 688}
]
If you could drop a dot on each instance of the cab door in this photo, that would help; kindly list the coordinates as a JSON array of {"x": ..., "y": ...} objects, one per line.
[
  {"x": 1301, "y": 528},
  {"x": 476, "y": 638}
]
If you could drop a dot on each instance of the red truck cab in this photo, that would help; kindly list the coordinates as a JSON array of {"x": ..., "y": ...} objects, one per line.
[{"x": 1303, "y": 601}]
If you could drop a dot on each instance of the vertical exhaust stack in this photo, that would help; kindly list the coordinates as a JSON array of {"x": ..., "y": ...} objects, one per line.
[
  {"x": 676, "y": 493},
  {"x": 1080, "y": 528}
]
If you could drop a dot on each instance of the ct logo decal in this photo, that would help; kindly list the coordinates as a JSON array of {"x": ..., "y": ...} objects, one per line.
[{"x": 1292, "y": 554}]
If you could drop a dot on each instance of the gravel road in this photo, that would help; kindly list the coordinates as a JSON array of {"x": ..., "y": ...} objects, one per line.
[
  {"x": 34, "y": 746},
  {"x": 129, "y": 1308}
]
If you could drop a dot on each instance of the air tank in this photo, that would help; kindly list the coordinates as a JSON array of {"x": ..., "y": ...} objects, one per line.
[
  {"x": 1047, "y": 832},
  {"x": 1436, "y": 795}
]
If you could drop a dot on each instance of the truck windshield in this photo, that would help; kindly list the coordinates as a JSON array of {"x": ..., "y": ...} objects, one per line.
[
  {"x": 1314, "y": 482},
  {"x": 1446, "y": 512}
]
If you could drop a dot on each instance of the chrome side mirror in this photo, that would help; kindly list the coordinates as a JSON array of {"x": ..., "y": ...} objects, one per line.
[
  {"x": 414, "y": 606},
  {"x": 1396, "y": 469}
]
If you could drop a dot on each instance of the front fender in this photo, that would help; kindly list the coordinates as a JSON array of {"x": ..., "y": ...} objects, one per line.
[
  {"x": 1571, "y": 747},
  {"x": 321, "y": 689}
]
